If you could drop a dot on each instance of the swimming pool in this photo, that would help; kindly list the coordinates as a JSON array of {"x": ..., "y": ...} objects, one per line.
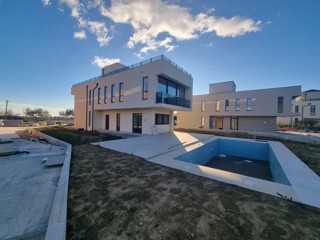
[{"x": 240, "y": 152}]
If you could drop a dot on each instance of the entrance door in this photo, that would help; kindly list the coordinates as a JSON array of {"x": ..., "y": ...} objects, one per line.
[
  {"x": 219, "y": 122},
  {"x": 137, "y": 122},
  {"x": 118, "y": 121},
  {"x": 107, "y": 122}
]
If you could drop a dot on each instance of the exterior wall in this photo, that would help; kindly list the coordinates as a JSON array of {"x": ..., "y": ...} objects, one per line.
[
  {"x": 132, "y": 79},
  {"x": 257, "y": 124},
  {"x": 264, "y": 109},
  {"x": 126, "y": 120}
]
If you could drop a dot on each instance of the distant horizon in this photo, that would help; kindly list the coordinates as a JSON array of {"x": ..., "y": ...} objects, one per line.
[{"x": 50, "y": 45}]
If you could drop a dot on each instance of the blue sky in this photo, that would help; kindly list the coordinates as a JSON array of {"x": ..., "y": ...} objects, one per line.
[{"x": 48, "y": 45}]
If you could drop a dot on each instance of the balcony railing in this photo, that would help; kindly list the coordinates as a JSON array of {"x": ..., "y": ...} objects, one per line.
[
  {"x": 162, "y": 97},
  {"x": 125, "y": 68}
]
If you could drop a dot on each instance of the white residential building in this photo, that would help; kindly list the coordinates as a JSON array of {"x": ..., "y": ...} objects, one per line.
[
  {"x": 305, "y": 106},
  {"x": 139, "y": 98},
  {"x": 226, "y": 109}
]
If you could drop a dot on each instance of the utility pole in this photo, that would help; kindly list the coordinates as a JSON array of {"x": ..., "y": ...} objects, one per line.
[{"x": 5, "y": 115}]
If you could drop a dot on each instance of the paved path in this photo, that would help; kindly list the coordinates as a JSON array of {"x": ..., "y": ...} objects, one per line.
[{"x": 10, "y": 132}]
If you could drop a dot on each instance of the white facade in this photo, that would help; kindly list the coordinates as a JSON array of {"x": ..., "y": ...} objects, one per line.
[
  {"x": 253, "y": 110},
  {"x": 139, "y": 98},
  {"x": 305, "y": 107}
]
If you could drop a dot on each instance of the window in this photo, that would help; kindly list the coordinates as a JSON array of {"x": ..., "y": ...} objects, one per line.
[
  {"x": 217, "y": 106},
  {"x": 226, "y": 107},
  {"x": 99, "y": 95},
  {"x": 234, "y": 123},
  {"x": 202, "y": 106},
  {"x": 106, "y": 94},
  {"x": 237, "y": 107},
  {"x": 121, "y": 92},
  {"x": 249, "y": 104},
  {"x": 162, "y": 119},
  {"x": 296, "y": 109},
  {"x": 202, "y": 122},
  {"x": 89, "y": 118},
  {"x": 145, "y": 94},
  {"x": 170, "y": 88},
  {"x": 89, "y": 98},
  {"x": 280, "y": 104},
  {"x": 112, "y": 93},
  {"x": 313, "y": 110}
]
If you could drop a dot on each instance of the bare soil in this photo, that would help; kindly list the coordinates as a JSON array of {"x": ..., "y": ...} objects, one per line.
[{"x": 114, "y": 195}]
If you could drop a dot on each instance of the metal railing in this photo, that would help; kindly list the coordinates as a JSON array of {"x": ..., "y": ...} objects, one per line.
[
  {"x": 162, "y": 97},
  {"x": 157, "y": 58}
]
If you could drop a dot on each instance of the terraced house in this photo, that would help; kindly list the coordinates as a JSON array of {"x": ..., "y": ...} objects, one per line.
[
  {"x": 226, "y": 109},
  {"x": 140, "y": 98}
]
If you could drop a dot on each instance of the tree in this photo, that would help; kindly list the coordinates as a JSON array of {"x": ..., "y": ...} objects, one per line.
[
  {"x": 69, "y": 113},
  {"x": 38, "y": 113}
]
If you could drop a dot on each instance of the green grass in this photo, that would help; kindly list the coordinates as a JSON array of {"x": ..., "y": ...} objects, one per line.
[{"x": 76, "y": 137}]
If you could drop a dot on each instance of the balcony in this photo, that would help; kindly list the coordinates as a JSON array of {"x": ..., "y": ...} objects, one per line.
[{"x": 162, "y": 97}]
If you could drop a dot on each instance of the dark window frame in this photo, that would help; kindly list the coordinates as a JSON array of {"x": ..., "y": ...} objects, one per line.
[
  {"x": 227, "y": 105},
  {"x": 162, "y": 119},
  {"x": 145, "y": 91},
  {"x": 105, "y": 94},
  {"x": 99, "y": 95},
  {"x": 312, "y": 110},
  {"x": 237, "y": 104},
  {"x": 113, "y": 97},
  {"x": 249, "y": 106},
  {"x": 121, "y": 92},
  {"x": 280, "y": 104}
]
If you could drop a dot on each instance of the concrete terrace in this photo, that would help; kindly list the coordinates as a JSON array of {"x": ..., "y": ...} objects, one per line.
[{"x": 164, "y": 148}]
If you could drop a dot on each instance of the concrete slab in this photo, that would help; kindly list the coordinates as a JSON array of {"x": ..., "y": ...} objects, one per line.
[
  {"x": 150, "y": 146},
  {"x": 10, "y": 132},
  {"x": 27, "y": 189}
]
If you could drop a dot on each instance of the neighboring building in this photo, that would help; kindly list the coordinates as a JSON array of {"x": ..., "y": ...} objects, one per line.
[
  {"x": 224, "y": 108},
  {"x": 139, "y": 98},
  {"x": 306, "y": 107}
]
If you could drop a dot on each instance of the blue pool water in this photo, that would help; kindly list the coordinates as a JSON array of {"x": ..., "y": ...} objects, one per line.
[{"x": 239, "y": 148}]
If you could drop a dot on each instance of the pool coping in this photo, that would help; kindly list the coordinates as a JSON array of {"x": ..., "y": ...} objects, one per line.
[{"x": 305, "y": 184}]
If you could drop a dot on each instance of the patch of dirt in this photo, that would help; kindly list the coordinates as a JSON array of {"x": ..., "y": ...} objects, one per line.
[{"x": 113, "y": 195}]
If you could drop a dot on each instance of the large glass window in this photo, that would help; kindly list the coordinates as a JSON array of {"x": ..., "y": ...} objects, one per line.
[
  {"x": 280, "y": 104},
  {"x": 226, "y": 107},
  {"x": 249, "y": 104},
  {"x": 99, "y": 95},
  {"x": 121, "y": 92},
  {"x": 106, "y": 94},
  {"x": 113, "y": 98},
  {"x": 145, "y": 94},
  {"x": 237, "y": 107},
  {"x": 313, "y": 110},
  {"x": 162, "y": 119},
  {"x": 170, "y": 88}
]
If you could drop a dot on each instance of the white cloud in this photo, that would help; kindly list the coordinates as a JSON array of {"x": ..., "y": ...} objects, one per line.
[
  {"x": 102, "y": 62},
  {"x": 80, "y": 35},
  {"x": 97, "y": 28},
  {"x": 46, "y": 2},
  {"x": 149, "y": 19},
  {"x": 157, "y": 23}
]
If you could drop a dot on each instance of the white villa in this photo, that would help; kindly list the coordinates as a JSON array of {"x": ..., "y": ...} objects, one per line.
[
  {"x": 226, "y": 109},
  {"x": 140, "y": 98},
  {"x": 306, "y": 107}
]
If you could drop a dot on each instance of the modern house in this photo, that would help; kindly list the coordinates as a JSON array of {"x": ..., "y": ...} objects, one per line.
[
  {"x": 139, "y": 98},
  {"x": 226, "y": 109},
  {"x": 306, "y": 107}
]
